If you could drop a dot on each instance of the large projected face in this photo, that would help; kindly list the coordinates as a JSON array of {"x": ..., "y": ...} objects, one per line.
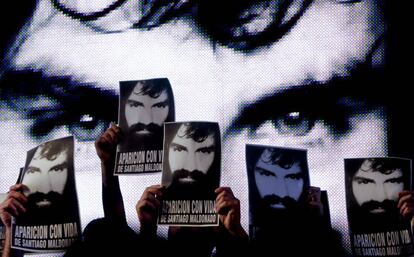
[{"x": 281, "y": 93}]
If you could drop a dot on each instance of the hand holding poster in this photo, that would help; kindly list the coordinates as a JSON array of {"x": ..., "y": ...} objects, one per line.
[
  {"x": 144, "y": 106},
  {"x": 372, "y": 188},
  {"x": 191, "y": 173},
  {"x": 51, "y": 221}
]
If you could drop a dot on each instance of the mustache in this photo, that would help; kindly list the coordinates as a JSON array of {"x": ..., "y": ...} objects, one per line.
[
  {"x": 287, "y": 201},
  {"x": 372, "y": 205},
  {"x": 52, "y": 196},
  {"x": 152, "y": 128},
  {"x": 196, "y": 175}
]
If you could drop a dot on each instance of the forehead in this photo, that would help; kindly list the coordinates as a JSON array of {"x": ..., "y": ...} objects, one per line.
[
  {"x": 137, "y": 93},
  {"x": 367, "y": 171},
  {"x": 42, "y": 161},
  {"x": 265, "y": 162},
  {"x": 182, "y": 139},
  {"x": 138, "y": 88},
  {"x": 288, "y": 63}
]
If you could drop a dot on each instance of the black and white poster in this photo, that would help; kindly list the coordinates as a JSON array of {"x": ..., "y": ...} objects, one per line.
[
  {"x": 191, "y": 173},
  {"x": 144, "y": 106},
  {"x": 372, "y": 191},
  {"x": 278, "y": 184},
  {"x": 51, "y": 221},
  {"x": 328, "y": 76}
]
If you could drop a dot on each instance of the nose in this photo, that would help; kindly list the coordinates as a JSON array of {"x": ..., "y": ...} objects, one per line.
[
  {"x": 44, "y": 184},
  {"x": 145, "y": 117},
  {"x": 281, "y": 190},
  {"x": 379, "y": 194},
  {"x": 191, "y": 163}
]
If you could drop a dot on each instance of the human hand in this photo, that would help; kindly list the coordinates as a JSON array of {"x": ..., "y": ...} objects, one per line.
[
  {"x": 314, "y": 200},
  {"x": 105, "y": 145},
  {"x": 13, "y": 205},
  {"x": 406, "y": 204},
  {"x": 147, "y": 208},
  {"x": 228, "y": 208}
]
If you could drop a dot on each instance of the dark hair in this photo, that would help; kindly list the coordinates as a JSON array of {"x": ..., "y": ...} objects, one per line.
[
  {"x": 198, "y": 131},
  {"x": 151, "y": 87},
  {"x": 381, "y": 165},
  {"x": 283, "y": 157},
  {"x": 51, "y": 150},
  {"x": 219, "y": 21},
  {"x": 284, "y": 160}
]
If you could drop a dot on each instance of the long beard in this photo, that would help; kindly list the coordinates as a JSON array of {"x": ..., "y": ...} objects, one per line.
[
  {"x": 43, "y": 208},
  {"x": 151, "y": 141},
  {"x": 287, "y": 202},
  {"x": 386, "y": 205},
  {"x": 364, "y": 220},
  {"x": 265, "y": 215},
  {"x": 197, "y": 188}
]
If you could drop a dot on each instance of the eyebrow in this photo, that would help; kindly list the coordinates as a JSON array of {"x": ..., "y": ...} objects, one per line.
[
  {"x": 178, "y": 145},
  {"x": 134, "y": 101},
  {"x": 60, "y": 166},
  {"x": 206, "y": 148},
  {"x": 294, "y": 175},
  {"x": 330, "y": 102},
  {"x": 161, "y": 102},
  {"x": 363, "y": 178},
  {"x": 33, "y": 169},
  {"x": 258, "y": 169},
  {"x": 400, "y": 178},
  {"x": 71, "y": 100}
]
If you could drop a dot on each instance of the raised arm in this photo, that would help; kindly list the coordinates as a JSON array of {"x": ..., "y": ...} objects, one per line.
[
  {"x": 111, "y": 193},
  {"x": 147, "y": 209},
  {"x": 232, "y": 239},
  {"x": 228, "y": 208}
]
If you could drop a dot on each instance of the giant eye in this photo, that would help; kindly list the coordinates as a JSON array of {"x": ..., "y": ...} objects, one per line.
[
  {"x": 88, "y": 128},
  {"x": 294, "y": 123}
]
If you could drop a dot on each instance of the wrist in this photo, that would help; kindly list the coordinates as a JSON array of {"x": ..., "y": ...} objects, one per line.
[
  {"x": 148, "y": 230},
  {"x": 239, "y": 232},
  {"x": 236, "y": 231}
]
